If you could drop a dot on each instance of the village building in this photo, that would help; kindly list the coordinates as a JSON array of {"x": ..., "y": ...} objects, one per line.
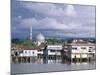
[
  {"x": 66, "y": 54},
  {"x": 25, "y": 54},
  {"x": 82, "y": 51},
  {"x": 54, "y": 53},
  {"x": 42, "y": 52}
]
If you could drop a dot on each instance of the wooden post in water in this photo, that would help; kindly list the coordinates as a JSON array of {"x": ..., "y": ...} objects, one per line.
[
  {"x": 88, "y": 58},
  {"x": 71, "y": 59},
  {"x": 21, "y": 59},
  {"x": 30, "y": 59},
  {"x": 26, "y": 59},
  {"x": 17, "y": 59},
  {"x": 80, "y": 58}
]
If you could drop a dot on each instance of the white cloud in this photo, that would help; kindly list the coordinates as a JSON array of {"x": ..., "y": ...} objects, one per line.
[
  {"x": 70, "y": 11},
  {"x": 45, "y": 23},
  {"x": 75, "y": 34},
  {"x": 47, "y": 9},
  {"x": 27, "y": 22},
  {"x": 52, "y": 23},
  {"x": 20, "y": 17},
  {"x": 50, "y": 9},
  {"x": 74, "y": 25}
]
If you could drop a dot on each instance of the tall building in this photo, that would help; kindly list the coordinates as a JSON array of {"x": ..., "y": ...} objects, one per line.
[{"x": 30, "y": 37}]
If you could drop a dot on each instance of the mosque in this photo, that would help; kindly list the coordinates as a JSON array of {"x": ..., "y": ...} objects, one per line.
[{"x": 39, "y": 38}]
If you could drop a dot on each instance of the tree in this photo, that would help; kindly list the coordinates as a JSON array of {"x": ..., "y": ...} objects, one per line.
[
  {"x": 28, "y": 43},
  {"x": 16, "y": 41}
]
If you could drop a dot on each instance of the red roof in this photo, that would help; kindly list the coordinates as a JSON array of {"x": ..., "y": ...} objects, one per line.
[{"x": 23, "y": 47}]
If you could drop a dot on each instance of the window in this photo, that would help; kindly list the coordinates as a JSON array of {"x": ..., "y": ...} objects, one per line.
[
  {"x": 16, "y": 53},
  {"x": 83, "y": 47},
  {"x": 21, "y": 52},
  {"x": 90, "y": 51},
  {"x": 39, "y": 50},
  {"x": 52, "y": 50},
  {"x": 25, "y": 51},
  {"x": 33, "y": 52},
  {"x": 40, "y": 55},
  {"x": 74, "y": 48},
  {"x": 90, "y": 47},
  {"x": 58, "y": 51}
]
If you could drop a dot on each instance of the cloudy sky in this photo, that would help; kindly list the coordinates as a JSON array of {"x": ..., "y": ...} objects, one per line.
[{"x": 52, "y": 20}]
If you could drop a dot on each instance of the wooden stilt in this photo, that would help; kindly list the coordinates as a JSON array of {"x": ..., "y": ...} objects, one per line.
[{"x": 80, "y": 58}]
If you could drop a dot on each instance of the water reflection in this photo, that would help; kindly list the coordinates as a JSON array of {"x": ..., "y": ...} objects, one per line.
[
  {"x": 48, "y": 64},
  {"x": 51, "y": 59}
]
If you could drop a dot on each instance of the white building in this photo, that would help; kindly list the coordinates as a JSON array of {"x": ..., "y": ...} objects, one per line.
[
  {"x": 54, "y": 49},
  {"x": 54, "y": 53},
  {"x": 40, "y": 39},
  {"x": 82, "y": 50},
  {"x": 28, "y": 53},
  {"x": 24, "y": 54}
]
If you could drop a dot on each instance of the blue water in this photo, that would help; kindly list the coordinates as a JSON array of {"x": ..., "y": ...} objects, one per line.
[{"x": 37, "y": 68}]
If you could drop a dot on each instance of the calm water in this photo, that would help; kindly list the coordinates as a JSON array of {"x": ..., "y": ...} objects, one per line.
[{"x": 35, "y": 68}]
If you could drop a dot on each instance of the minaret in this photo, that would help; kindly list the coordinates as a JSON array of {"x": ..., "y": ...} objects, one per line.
[{"x": 30, "y": 33}]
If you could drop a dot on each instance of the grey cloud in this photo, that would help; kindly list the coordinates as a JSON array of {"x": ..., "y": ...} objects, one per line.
[
  {"x": 68, "y": 20},
  {"x": 50, "y": 9}
]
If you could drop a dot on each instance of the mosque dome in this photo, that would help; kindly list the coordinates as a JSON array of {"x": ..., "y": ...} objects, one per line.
[{"x": 40, "y": 38}]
